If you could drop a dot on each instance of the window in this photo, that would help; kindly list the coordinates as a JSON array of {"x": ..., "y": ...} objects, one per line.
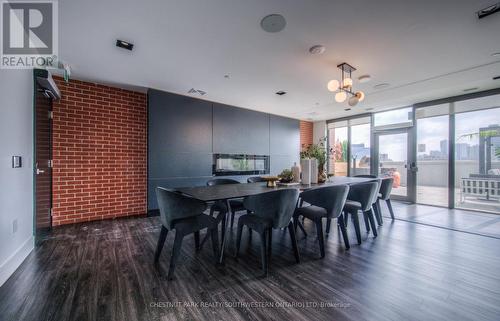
[{"x": 396, "y": 118}]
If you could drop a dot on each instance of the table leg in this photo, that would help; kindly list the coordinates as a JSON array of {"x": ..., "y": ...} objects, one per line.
[{"x": 224, "y": 232}]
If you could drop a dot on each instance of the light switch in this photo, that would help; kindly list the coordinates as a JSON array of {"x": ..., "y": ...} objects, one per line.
[{"x": 17, "y": 162}]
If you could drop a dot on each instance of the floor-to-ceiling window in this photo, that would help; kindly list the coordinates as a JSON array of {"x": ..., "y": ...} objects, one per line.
[
  {"x": 337, "y": 141},
  {"x": 477, "y": 154},
  {"x": 433, "y": 154},
  {"x": 359, "y": 144}
]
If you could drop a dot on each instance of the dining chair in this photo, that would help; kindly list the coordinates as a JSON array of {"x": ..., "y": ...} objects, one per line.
[
  {"x": 325, "y": 202},
  {"x": 385, "y": 194},
  {"x": 220, "y": 206},
  {"x": 185, "y": 215},
  {"x": 361, "y": 198},
  {"x": 376, "y": 205},
  {"x": 255, "y": 179},
  {"x": 269, "y": 210}
]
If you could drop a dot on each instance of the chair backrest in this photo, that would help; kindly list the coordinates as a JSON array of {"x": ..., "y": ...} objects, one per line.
[
  {"x": 331, "y": 198},
  {"x": 278, "y": 205},
  {"x": 222, "y": 181},
  {"x": 386, "y": 187},
  {"x": 364, "y": 193},
  {"x": 255, "y": 179},
  {"x": 174, "y": 205}
]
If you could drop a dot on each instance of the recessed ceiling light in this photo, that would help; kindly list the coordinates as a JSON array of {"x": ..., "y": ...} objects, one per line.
[
  {"x": 364, "y": 78},
  {"x": 226, "y": 76},
  {"x": 495, "y": 54},
  {"x": 273, "y": 23},
  {"x": 381, "y": 86},
  {"x": 281, "y": 92},
  {"x": 471, "y": 89},
  {"x": 317, "y": 49}
]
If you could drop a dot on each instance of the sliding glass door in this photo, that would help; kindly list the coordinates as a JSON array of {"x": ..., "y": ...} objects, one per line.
[{"x": 359, "y": 145}]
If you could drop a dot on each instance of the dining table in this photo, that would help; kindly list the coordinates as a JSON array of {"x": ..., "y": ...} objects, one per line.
[{"x": 227, "y": 192}]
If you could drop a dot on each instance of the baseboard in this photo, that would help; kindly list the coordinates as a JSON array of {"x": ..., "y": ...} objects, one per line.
[{"x": 14, "y": 261}]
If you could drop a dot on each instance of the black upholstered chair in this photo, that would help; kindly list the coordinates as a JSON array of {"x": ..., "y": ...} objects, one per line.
[
  {"x": 255, "y": 179},
  {"x": 270, "y": 210},
  {"x": 236, "y": 205},
  {"x": 385, "y": 195},
  {"x": 361, "y": 198},
  {"x": 375, "y": 205},
  {"x": 325, "y": 202},
  {"x": 184, "y": 215}
]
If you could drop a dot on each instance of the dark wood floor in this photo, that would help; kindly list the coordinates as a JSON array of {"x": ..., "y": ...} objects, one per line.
[{"x": 104, "y": 271}]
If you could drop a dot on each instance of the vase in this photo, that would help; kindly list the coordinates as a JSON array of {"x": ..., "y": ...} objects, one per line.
[
  {"x": 305, "y": 165},
  {"x": 314, "y": 171},
  {"x": 321, "y": 173}
]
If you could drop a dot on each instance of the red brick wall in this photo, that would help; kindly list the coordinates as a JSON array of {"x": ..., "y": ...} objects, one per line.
[
  {"x": 306, "y": 133},
  {"x": 99, "y": 153}
]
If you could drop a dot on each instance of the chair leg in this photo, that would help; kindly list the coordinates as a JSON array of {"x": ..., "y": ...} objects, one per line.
[
  {"x": 232, "y": 219},
  {"x": 197, "y": 240},
  {"x": 161, "y": 242},
  {"x": 238, "y": 239},
  {"x": 343, "y": 230},
  {"x": 369, "y": 213},
  {"x": 291, "y": 230},
  {"x": 215, "y": 242},
  {"x": 346, "y": 218},
  {"x": 175, "y": 254},
  {"x": 269, "y": 245},
  {"x": 250, "y": 235},
  {"x": 377, "y": 214},
  {"x": 389, "y": 205},
  {"x": 319, "y": 231},
  {"x": 367, "y": 223},
  {"x": 328, "y": 224},
  {"x": 357, "y": 228},
  {"x": 301, "y": 226},
  {"x": 223, "y": 227},
  {"x": 379, "y": 211},
  {"x": 263, "y": 251}
]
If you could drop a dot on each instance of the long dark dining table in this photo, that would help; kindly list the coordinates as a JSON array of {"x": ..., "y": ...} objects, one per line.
[{"x": 231, "y": 191}]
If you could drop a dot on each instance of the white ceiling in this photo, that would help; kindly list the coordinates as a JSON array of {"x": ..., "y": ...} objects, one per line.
[{"x": 424, "y": 49}]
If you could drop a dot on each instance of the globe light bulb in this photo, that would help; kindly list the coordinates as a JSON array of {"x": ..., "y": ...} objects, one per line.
[
  {"x": 340, "y": 97},
  {"x": 353, "y": 101},
  {"x": 333, "y": 85},
  {"x": 347, "y": 82},
  {"x": 360, "y": 95}
]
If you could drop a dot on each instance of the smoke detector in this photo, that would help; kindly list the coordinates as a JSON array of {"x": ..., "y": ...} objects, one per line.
[{"x": 273, "y": 23}]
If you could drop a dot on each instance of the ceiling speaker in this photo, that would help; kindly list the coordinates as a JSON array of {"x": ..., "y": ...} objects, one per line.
[{"x": 273, "y": 23}]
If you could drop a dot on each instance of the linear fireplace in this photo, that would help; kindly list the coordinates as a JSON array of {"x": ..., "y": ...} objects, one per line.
[{"x": 238, "y": 164}]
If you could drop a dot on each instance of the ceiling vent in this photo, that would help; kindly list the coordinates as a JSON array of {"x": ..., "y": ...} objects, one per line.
[
  {"x": 488, "y": 11},
  {"x": 196, "y": 92},
  {"x": 124, "y": 44}
]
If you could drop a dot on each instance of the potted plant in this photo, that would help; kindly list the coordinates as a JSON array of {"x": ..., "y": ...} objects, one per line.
[{"x": 320, "y": 152}]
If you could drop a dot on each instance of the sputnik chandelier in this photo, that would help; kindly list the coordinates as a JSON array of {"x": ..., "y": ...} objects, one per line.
[{"x": 343, "y": 88}]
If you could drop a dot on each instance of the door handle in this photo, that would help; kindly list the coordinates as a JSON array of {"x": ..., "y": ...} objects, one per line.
[{"x": 39, "y": 171}]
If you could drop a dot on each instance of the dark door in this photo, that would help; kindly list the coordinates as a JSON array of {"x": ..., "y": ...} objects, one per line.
[{"x": 43, "y": 162}]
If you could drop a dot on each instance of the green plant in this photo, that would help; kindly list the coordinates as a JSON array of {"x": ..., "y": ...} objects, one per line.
[
  {"x": 286, "y": 175},
  {"x": 318, "y": 151}
]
